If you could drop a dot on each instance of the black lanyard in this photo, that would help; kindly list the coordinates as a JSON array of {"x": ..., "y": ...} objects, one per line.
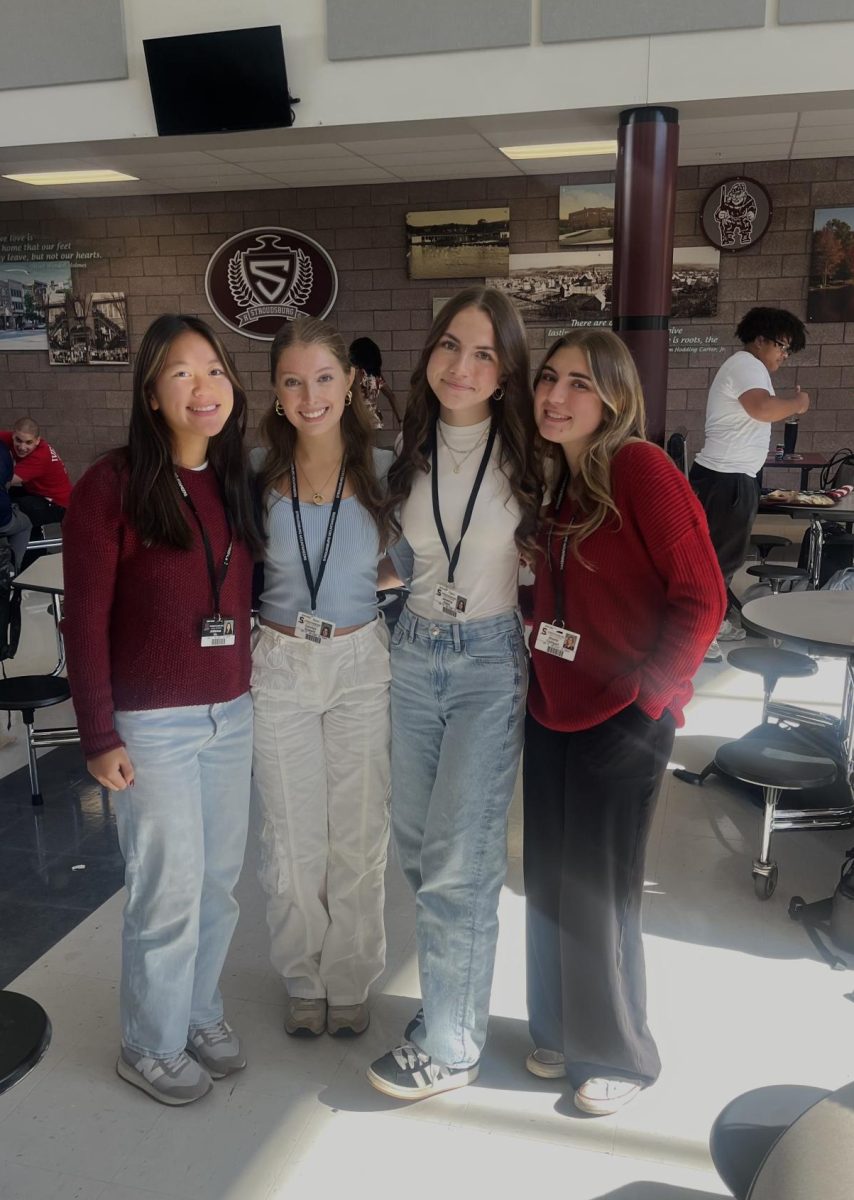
[
  {"x": 314, "y": 585},
  {"x": 557, "y": 577},
  {"x": 217, "y": 581},
  {"x": 454, "y": 558}
]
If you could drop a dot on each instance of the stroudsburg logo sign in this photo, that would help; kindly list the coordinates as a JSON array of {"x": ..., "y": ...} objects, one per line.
[{"x": 263, "y": 277}]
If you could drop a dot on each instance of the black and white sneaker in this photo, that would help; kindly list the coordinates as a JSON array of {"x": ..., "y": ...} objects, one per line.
[{"x": 407, "y": 1073}]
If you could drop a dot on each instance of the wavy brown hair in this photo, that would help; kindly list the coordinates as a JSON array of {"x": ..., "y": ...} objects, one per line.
[
  {"x": 519, "y": 457},
  {"x": 615, "y": 378},
  {"x": 357, "y": 430},
  {"x": 151, "y": 499}
]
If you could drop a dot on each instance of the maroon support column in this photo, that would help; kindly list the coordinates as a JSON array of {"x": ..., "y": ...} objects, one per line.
[{"x": 645, "y": 204}]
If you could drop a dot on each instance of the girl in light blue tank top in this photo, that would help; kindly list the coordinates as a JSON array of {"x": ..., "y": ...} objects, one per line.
[{"x": 320, "y": 685}]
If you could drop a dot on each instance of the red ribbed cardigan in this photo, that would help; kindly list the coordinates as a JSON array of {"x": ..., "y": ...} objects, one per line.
[{"x": 646, "y": 612}]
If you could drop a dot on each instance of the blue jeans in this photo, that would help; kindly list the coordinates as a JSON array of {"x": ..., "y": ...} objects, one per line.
[
  {"x": 182, "y": 831},
  {"x": 457, "y": 712}
]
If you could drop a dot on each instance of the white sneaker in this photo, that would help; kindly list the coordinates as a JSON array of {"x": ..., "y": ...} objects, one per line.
[
  {"x": 714, "y": 653},
  {"x": 547, "y": 1064},
  {"x": 176, "y": 1080},
  {"x": 729, "y": 632},
  {"x": 601, "y": 1097}
]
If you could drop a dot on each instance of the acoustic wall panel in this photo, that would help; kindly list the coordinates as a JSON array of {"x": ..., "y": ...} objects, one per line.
[
  {"x": 380, "y": 28},
  {"x": 584, "y": 20},
  {"x": 44, "y": 42},
  {"x": 804, "y": 12}
]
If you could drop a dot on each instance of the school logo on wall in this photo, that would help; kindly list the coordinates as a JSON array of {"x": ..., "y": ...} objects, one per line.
[
  {"x": 735, "y": 214},
  {"x": 263, "y": 277}
]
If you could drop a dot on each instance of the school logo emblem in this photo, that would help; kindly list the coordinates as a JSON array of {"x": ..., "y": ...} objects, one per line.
[
  {"x": 263, "y": 277},
  {"x": 735, "y": 214}
]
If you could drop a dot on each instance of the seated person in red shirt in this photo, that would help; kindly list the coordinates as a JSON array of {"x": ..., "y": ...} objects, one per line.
[
  {"x": 628, "y": 593},
  {"x": 40, "y": 486}
]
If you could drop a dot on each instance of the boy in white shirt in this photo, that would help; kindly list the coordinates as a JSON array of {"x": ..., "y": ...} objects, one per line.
[{"x": 741, "y": 408}]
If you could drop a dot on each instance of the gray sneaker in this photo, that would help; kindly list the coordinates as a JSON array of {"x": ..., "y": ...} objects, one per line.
[
  {"x": 347, "y": 1020},
  {"x": 730, "y": 632},
  {"x": 175, "y": 1080},
  {"x": 217, "y": 1048},
  {"x": 714, "y": 653},
  {"x": 305, "y": 1018}
]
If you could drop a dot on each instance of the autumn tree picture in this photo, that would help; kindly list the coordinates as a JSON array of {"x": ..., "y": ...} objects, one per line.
[{"x": 831, "y": 288}]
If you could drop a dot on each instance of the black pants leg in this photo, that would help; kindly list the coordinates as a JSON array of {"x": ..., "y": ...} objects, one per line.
[
  {"x": 731, "y": 502},
  {"x": 40, "y": 510},
  {"x": 589, "y": 802}
]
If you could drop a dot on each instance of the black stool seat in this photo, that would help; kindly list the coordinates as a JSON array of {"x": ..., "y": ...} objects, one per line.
[
  {"x": 765, "y": 542},
  {"x": 778, "y": 571},
  {"x": 24, "y": 1036},
  {"x": 33, "y": 691},
  {"x": 765, "y": 766},
  {"x": 772, "y": 664}
]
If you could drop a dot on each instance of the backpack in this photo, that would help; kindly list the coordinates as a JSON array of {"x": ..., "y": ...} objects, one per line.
[
  {"x": 839, "y": 471},
  {"x": 834, "y": 917},
  {"x": 10, "y": 606}
]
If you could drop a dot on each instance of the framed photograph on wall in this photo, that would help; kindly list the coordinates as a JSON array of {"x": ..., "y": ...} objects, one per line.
[
  {"x": 107, "y": 318},
  {"x": 460, "y": 243},
  {"x": 560, "y": 288},
  {"x": 696, "y": 275},
  {"x": 586, "y": 214},
  {"x": 831, "y": 285},
  {"x": 26, "y": 290}
]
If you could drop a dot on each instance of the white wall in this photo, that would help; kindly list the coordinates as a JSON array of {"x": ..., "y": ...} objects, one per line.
[{"x": 613, "y": 73}]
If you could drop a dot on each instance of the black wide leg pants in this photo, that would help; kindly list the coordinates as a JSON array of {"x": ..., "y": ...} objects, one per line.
[
  {"x": 731, "y": 502},
  {"x": 589, "y": 801}
]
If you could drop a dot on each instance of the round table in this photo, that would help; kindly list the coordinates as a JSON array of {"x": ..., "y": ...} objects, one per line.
[
  {"x": 24, "y": 1036},
  {"x": 842, "y": 512},
  {"x": 820, "y": 623}
]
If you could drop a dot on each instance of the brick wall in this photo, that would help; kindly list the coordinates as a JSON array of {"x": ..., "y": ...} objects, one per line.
[{"x": 156, "y": 248}]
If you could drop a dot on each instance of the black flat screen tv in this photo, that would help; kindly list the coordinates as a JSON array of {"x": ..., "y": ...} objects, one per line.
[{"x": 224, "y": 82}]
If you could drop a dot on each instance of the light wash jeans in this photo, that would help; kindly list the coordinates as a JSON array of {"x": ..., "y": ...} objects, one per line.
[
  {"x": 321, "y": 780},
  {"x": 182, "y": 830},
  {"x": 457, "y": 710}
]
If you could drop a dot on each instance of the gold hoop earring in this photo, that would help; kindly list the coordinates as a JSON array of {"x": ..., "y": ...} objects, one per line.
[
  {"x": 348, "y": 399},
  {"x": 498, "y": 394},
  {"x": 277, "y": 408}
]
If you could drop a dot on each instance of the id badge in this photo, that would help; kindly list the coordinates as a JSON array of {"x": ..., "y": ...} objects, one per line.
[
  {"x": 557, "y": 641},
  {"x": 218, "y": 631},
  {"x": 314, "y": 629},
  {"x": 448, "y": 601}
]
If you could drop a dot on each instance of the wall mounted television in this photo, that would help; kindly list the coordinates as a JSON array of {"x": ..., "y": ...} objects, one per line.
[{"x": 225, "y": 82}]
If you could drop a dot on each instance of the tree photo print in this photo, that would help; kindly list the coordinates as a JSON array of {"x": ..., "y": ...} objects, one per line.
[{"x": 831, "y": 287}]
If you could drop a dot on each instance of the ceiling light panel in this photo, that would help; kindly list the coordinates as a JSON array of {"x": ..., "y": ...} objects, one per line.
[
  {"x": 559, "y": 150},
  {"x": 66, "y": 178}
]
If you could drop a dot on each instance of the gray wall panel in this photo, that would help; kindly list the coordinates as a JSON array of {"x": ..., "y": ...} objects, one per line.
[
  {"x": 583, "y": 20},
  {"x": 804, "y": 12},
  {"x": 379, "y": 28},
  {"x": 43, "y": 42}
]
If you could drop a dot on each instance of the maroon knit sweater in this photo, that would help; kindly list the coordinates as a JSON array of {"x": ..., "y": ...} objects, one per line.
[
  {"x": 133, "y": 613},
  {"x": 646, "y": 613}
]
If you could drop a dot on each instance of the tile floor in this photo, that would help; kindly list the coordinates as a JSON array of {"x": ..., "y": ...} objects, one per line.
[{"x": 738, "y": 999}]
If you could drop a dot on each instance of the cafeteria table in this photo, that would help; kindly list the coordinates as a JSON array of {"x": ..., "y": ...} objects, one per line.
[
  {"x": 841, "y": 512},
  {"x": 820, "y": 624},
  {"x": 805, "y": 463}
]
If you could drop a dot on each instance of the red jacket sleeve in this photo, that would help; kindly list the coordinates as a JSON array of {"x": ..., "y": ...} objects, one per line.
[
  {"x": 674, "y": 529},
  {"x": 91, "y": 543}
]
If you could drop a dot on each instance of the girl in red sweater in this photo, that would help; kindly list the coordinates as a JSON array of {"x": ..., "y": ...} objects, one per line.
[
  {"x": 627, "y": 595},
  {"x": 158, "y": 545}
]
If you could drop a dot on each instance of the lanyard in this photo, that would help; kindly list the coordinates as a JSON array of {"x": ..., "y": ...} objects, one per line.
[
  {"x": 454, "y": 558},
  {"x": 217, "y": 581},
  {"x": 314, "y": 585},
  {"x": 557, "y": 577}
]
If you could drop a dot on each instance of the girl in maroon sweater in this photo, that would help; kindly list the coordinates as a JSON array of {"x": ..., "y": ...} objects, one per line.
[
  {"x": 158, "y": 544},
  {"x": 628, "y": 594}
]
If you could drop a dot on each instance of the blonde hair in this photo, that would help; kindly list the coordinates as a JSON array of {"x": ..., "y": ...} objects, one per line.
[{"x": 615, "y": 378}]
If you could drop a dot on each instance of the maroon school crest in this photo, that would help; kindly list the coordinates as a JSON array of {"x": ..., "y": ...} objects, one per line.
[
  {"x": 263, "y": 277},
  {"x": 735, "y": 214}
]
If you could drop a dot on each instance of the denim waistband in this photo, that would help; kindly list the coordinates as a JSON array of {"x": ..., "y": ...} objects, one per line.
[{"x": 458, "y": 633}]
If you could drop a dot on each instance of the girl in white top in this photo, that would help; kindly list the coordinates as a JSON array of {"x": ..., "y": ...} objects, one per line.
[
  {"x": 320, "y": 682},
  {"x": 469, "y": 490}
]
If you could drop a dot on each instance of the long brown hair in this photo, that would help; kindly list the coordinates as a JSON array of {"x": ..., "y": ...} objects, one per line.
[
  {"x": 280, "y": 435},
  {"x": 151, "y": 499},
  {"x": 513, "y": 413},
  {"x": 615, "y": 378}
]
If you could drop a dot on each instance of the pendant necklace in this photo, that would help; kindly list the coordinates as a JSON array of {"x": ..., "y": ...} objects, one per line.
[
  {"x": 458, "y": 464},
  {"x": 317, "y": 493}
]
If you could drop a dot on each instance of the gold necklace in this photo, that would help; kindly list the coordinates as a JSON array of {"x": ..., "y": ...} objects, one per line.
[
  {"x": 459, "y": 463},
  {"x": 317, "y": 493}
]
